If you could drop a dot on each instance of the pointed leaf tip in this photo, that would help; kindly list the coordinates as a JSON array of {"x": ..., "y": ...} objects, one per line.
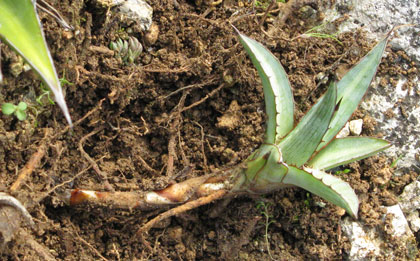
[
  {"x": 277, "y": 91},
  {"x": 24, "y": 34},
  {"x": 351, "y": 89},
  {"x": 346, "y": 150}
]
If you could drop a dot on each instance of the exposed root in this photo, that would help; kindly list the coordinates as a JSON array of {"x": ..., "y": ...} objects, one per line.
[
  {"x": 76, "y": 123},
  {"x": 165, "y": 70},
  {"x": 46, "y": 194},
  {"x": 213, "y": 92},
  {"x": 42, "y": 252},
  {"x": 146, "y": 165},
  {"x": 176, "y": 116},
  {"x": 272, "y": 4},
  {"x": 210, "y": 81},
  {"x": 206, "y": 167},
  {"x": 95, "y": 166},
  {"x": 31, "y": 165},
  {"x": 181, "y": 209}
]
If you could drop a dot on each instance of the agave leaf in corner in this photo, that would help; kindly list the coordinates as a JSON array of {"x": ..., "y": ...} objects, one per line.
[{"x": 21, "y": 29}]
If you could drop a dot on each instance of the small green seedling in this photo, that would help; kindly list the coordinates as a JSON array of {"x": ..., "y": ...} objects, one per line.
[
  {"x": 394, "y": 163},
  {"x": 45, "y": 93},
  {"x": 20, "y": 28},
  {"x": 268, "y": 220},
  {"x": 344, "y": 171},
  {"x": 19, "y": 110},
  {"x": 316, "y": 31}
]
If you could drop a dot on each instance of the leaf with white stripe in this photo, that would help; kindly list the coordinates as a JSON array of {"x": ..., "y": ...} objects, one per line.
[
  {"x": 21, "y": 29},
  {"x": 277, "y": 92},
  {"x": 326, "y": 186}
]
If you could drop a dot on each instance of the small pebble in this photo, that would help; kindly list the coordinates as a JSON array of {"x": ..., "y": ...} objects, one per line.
[
  {"x": 175, "y": 233},
  {"x": 152, "y": 35},
  {"x": 355, "y": 127}
]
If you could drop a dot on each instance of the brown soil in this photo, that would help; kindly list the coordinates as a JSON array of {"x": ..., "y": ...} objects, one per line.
[{"x": 138, "y": 142}]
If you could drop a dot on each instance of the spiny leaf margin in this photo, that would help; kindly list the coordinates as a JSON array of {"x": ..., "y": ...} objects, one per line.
[
  {"x": 277, "y": 91},
  {"x": 346, "y": 150}
]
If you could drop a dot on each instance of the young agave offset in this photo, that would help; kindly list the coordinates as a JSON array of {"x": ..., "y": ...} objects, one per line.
[
  {"x": 291, "y": 155},
  {"x": 300, "y": 155}
]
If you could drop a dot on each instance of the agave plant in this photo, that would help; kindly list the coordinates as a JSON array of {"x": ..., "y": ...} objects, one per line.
[
  {"x": 21, "y": 29},
  {"x": 291, "y": 155},
  {"x": 299, "y": 155}
]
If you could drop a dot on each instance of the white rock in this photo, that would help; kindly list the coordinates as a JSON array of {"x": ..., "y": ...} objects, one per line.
[
  {"x": 363, "y": 243},
  {"x": 410, "y": 198},
  {"x": 399, "y": 224},
  {"x": 410, "y": 204},
  {"x": 378, "y": 17},
  {"x": 345, "y": 131},
  {"x": 367, "y": 242},
  {"x": 355, "y": 127},
  {"x": 414, "y": 221},
  {"x": 138, "y": 11}
]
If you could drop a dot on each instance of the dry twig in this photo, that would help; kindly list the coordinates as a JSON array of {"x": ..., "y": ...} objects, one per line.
[
  {"x": 31, "y": 164},
  {"x": 95, "y": 166},
  {"x": 213, "y": 92}
]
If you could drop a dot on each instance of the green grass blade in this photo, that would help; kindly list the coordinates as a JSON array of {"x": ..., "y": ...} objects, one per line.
[
  {"x": 326, "y": 186},
  {"x": 299, "y": 145},
  {"x": 346, "y": 150},
  {"x": 21, "y": 29},
  {"x": 352, "y": 88},
  {"x": 277, "y": 91}
]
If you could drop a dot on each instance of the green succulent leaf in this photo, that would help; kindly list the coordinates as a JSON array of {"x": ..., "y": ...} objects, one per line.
[
  {"x": 276, "y": 86},
  {"x": 20, "y": 28},
  {"x": 21, "y": 115},
  {"x": 22, "y": 106},
  {"x": 351, "y": 89},
  {"x": 326, "y": 186},
  {"x": 342, "y": 151},
  {"x": 8, "y": 108},
  {"x": 299, "y": 145}
]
